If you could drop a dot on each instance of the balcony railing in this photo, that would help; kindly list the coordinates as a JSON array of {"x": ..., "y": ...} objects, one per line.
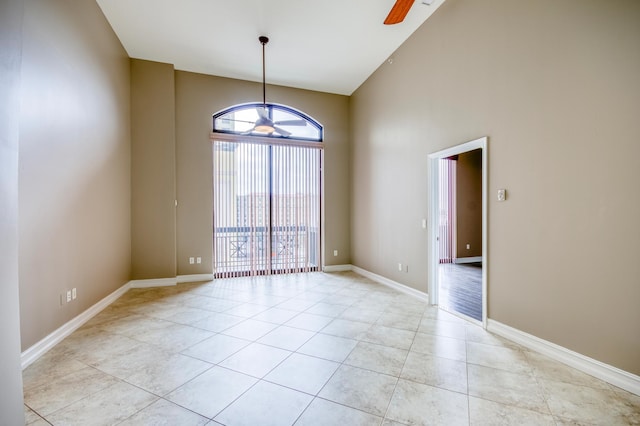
[{"x": 245, "y": 250}]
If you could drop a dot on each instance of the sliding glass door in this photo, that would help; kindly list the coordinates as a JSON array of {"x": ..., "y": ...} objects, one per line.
[{"x": 266, "y": 212}]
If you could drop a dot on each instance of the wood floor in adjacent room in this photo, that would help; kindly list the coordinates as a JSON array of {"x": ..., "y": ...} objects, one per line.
[
  {"x": 461, "y": 288},
  {"x": 305, "y": 349}
]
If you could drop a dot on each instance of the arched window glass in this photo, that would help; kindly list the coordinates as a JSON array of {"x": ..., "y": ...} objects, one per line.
[{"x": 286, "y": 122}]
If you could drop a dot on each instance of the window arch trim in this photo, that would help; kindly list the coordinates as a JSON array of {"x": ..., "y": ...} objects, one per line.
[{"x": 297, "y": 114}]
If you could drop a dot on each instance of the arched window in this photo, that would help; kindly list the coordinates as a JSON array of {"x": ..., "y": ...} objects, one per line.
[
  {"x": 267, "y": 190},
  {"x": 288, "y": 122}
]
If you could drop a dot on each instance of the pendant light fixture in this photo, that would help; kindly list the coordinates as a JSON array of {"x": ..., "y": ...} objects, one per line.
[{"x": 264, "y": 124}]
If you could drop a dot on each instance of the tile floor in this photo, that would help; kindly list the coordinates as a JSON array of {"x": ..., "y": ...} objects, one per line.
[{"x": 306, "y": 349}]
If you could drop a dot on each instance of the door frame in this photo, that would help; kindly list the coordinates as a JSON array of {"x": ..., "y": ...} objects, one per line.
[{"x": 433, "y": 209}]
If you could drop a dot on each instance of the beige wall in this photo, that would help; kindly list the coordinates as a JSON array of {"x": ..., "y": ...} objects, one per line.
[
  {"x": 555, "y": 87},
  {"x": 11, "y": 408},
  {"x": 469, "y": 204},
  {"x": 198, "y": 96},
  {"x": 153, "y": 170},
  {"x": 74, "y": 178}
]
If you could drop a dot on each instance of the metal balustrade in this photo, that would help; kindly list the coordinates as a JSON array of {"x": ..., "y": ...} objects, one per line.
[{"x": 245, "y": 250}]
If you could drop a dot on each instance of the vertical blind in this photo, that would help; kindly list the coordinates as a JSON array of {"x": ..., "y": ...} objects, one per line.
[
  {"x": 266, "y": 212},
  {"x": 447, "y": 203}
]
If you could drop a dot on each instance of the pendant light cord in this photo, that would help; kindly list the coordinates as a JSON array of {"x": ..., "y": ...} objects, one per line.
[{"x": 264, "y": 40}]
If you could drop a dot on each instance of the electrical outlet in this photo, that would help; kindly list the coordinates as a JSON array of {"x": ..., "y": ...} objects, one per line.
[
  {"x": 502, "y": 194},
  {"x": 335, "y": 252},
  {"x": 400, "y": 267},
  {"x": 468, "y": 246},
  {"x": 198, "y": 260},
  {"x": 74, "y": 293},
  {"x": 68, "y": 296},
  {"x": 191, "y": 261}
]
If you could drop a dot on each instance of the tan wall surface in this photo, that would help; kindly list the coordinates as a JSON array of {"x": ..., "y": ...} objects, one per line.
[
  {"x": 74, "y": 178},
  {"x": 469, "y": 204},
  {"x": 153, "y": 170},
  {"x": 555, "y": 87},
  {"x": 11, "y": 400},
  {"x": 198, "y": 97}
]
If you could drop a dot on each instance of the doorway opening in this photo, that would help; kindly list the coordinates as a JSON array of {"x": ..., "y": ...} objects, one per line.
[{"x": 458, "y": 238}]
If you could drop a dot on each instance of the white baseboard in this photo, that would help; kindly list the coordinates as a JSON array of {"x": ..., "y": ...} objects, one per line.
[
  {"x": 473, "y": 259},
  {"x": 36, "y": 351},
  {"x": 157, "y": 282},
  {"x": 194, "y": 278},
  {"x": 390, "y": 283},
  {"x": 337, "y": 268},
  {"x": 617, "y": 377},
  {"x": 166, "y": 282}
]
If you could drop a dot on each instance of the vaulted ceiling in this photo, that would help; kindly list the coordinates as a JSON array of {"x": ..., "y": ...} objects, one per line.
[{"x": 329, "y": 45}]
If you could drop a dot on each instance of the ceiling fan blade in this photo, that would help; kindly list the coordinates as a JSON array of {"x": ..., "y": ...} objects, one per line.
[
  {"x": 282, "y": 131},
  {"x": 291, "y": 122},
  {"x": 248, "y": 132},
  {"x": 398, "y": 12}
]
